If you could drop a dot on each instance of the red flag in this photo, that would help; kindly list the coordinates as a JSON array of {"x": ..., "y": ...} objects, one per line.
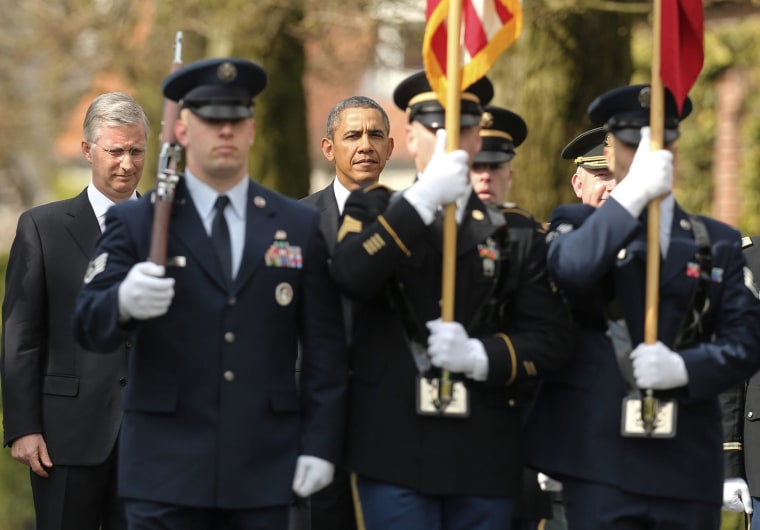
[
  {"x": 682, "y": 46},
  {"x": 488, "y": 28}
]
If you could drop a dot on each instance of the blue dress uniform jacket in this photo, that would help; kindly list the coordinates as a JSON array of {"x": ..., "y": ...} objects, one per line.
[
  {"x": 213, "y": 417},
  {"x": 382, "y": 240},
  {"x": 574, "y": 428}
]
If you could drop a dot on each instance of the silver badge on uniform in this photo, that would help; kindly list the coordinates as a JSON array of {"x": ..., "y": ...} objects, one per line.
[
  {"x": 95, "y": 267},
  {"x": 283, "y": 293}
]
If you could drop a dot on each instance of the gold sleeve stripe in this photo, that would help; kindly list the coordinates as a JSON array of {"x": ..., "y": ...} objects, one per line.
[
  {"x": 530, "y": 368},
  {"x": 373, "y": 244},
  {"x": 350, "y": 225},
  {"x": 512, "y": 357},
  {"x": 394, "y": 235},
  {"x": 732, "y": 446},
  {"x": 359, "y": 514}
]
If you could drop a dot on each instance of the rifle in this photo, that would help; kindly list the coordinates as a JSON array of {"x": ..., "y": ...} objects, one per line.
[{"x": 168, "y": 176}]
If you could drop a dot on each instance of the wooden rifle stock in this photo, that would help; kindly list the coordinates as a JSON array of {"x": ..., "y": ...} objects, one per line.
[{"x": 168, "y": 175}]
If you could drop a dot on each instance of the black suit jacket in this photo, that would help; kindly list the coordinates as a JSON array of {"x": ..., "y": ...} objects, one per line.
[
  {"x": 50, "y": 384},
  {"x": 329, "y": 216}
]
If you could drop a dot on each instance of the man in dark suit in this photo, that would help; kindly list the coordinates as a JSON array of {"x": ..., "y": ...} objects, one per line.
[
  {"x": 62, "y": 403},
  {"x": 216, "y": 433},
  {"x": 357, "y": 140},
  {"x": 586, "y": 426},
  {"x": 422, "y": 461}
]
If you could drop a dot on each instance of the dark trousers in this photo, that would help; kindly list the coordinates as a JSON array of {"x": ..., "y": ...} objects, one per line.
[
  {"x": 332, "y": 508},
  {"x": 593, "y": 506},
  {"x": 389, "y": 507},
  {"x": 147, "y": 515},
  {"x": 79, "y": 498}
]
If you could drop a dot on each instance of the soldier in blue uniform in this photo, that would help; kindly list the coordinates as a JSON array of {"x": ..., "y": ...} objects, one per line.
[
  {"x": 216, "y": 433},
  {"x": 419, "y": 463},
  {"x": 586, "y": 427}
]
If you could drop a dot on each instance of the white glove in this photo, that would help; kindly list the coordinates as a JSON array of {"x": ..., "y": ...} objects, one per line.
[
  {"x": 658, "y": 367},
  {"x": 445, "y": 179},
  {"x": 736, "y": 497},
  {"x": 145, "y": 293},
  {"x": 312, "y": 474},
  {"x": 452, "y": 349},
  {"x": 649, "y": 177},
  {"x": 546, "y": 483}
]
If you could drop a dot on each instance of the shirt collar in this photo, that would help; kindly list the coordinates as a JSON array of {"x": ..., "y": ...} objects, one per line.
[
  {"x": 341, "y": 194},
  {"x": 204, "y": 196},
  {"x": 100, "y": 203}
]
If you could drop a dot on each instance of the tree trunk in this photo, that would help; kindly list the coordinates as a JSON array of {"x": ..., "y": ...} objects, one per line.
[{"x": 564, "y": 59}]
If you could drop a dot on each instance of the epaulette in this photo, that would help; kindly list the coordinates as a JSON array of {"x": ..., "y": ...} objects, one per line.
[
  {"x": 747, "y": 242},
  {"x": 517, "y": 216}
]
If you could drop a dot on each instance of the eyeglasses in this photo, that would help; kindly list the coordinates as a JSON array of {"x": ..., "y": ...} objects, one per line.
[{"x": 135, "y": 153}]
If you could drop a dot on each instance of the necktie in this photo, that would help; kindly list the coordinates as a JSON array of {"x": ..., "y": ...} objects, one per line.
[{"x": 220, "y": 236}]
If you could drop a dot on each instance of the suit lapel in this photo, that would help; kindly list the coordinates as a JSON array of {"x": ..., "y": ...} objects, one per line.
[
  {"x": 260, "y": 228},
  {"x": 187, "y": 227},
  {"x": 82, "y": 224},
  {"x": 328, "y": 219}
]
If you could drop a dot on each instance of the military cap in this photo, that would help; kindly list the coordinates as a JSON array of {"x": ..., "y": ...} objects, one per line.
[
  {"x": 415, "y": 96},
  {"x": 587, "y": 149},
  {"x": 216, "y": 89},
  {"x": 624, "y": 111},
  {"x": 501, "y": 131}
]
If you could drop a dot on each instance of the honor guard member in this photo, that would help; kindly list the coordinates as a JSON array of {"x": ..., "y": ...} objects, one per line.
[
  {"x": 587, "y": 427},
  {"x": 420, "y": 462},
  {"x": 741, "y": 435},
  {"x": 491, "y": 174},
  {"x": 592, "y": 181},
  {"x": 216, "y": 434}
]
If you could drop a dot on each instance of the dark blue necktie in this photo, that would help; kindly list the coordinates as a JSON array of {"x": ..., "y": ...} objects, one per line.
[{"x": 220, "y": 236}]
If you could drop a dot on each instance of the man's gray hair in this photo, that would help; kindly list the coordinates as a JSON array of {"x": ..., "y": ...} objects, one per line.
[{"x": 113, "y": 109}]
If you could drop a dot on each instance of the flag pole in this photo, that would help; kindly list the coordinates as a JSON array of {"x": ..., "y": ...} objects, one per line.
[
  {"x": 453, "y": 104},
  {"x": 657, "y": 126}
]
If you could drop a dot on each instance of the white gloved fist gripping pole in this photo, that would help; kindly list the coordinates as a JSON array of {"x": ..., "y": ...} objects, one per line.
[
  {"x": 445, "y": 179},
  {"x": 736, "y": 497},
  {"x": 650, "y": 176},
  {"x": 546, "y": 483},
  {"x": 451, "y": 349},
  {"x": 145, "y": 293},
  {"x": 658, "y": 367},
  {"x": 312, "y": 474}
]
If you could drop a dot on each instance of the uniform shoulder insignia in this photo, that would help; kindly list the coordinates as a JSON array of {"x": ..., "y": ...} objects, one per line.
[
  {"x": 378, "y": 186},
  {"x": 747, "y": 242},
  {"x": 519, "y": 217}
]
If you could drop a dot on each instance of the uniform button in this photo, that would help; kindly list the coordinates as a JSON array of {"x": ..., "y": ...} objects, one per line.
[
  {"x": 229, "y": 376},
  {"x": 511, "y": 403},
  {"x": 229, "y": 337},
  {"x": 749, "y": 414},
  {"x": 123, "y": 381},
  {"x": 232, "y": 301}
]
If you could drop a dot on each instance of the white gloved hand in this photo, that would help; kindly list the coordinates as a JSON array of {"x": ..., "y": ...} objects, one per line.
[
  {"x": 145, "y": 293},
  {"x": 546, "y": 483},
  {"x": 312, "y": 474},
  {"x": 445, "y": 179},
  {"x": 658, "y": 367},
  {"x": 452, "y": 349},
  {"x": 650, "y": 176},
  {"x": 736, "y": 497}
]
